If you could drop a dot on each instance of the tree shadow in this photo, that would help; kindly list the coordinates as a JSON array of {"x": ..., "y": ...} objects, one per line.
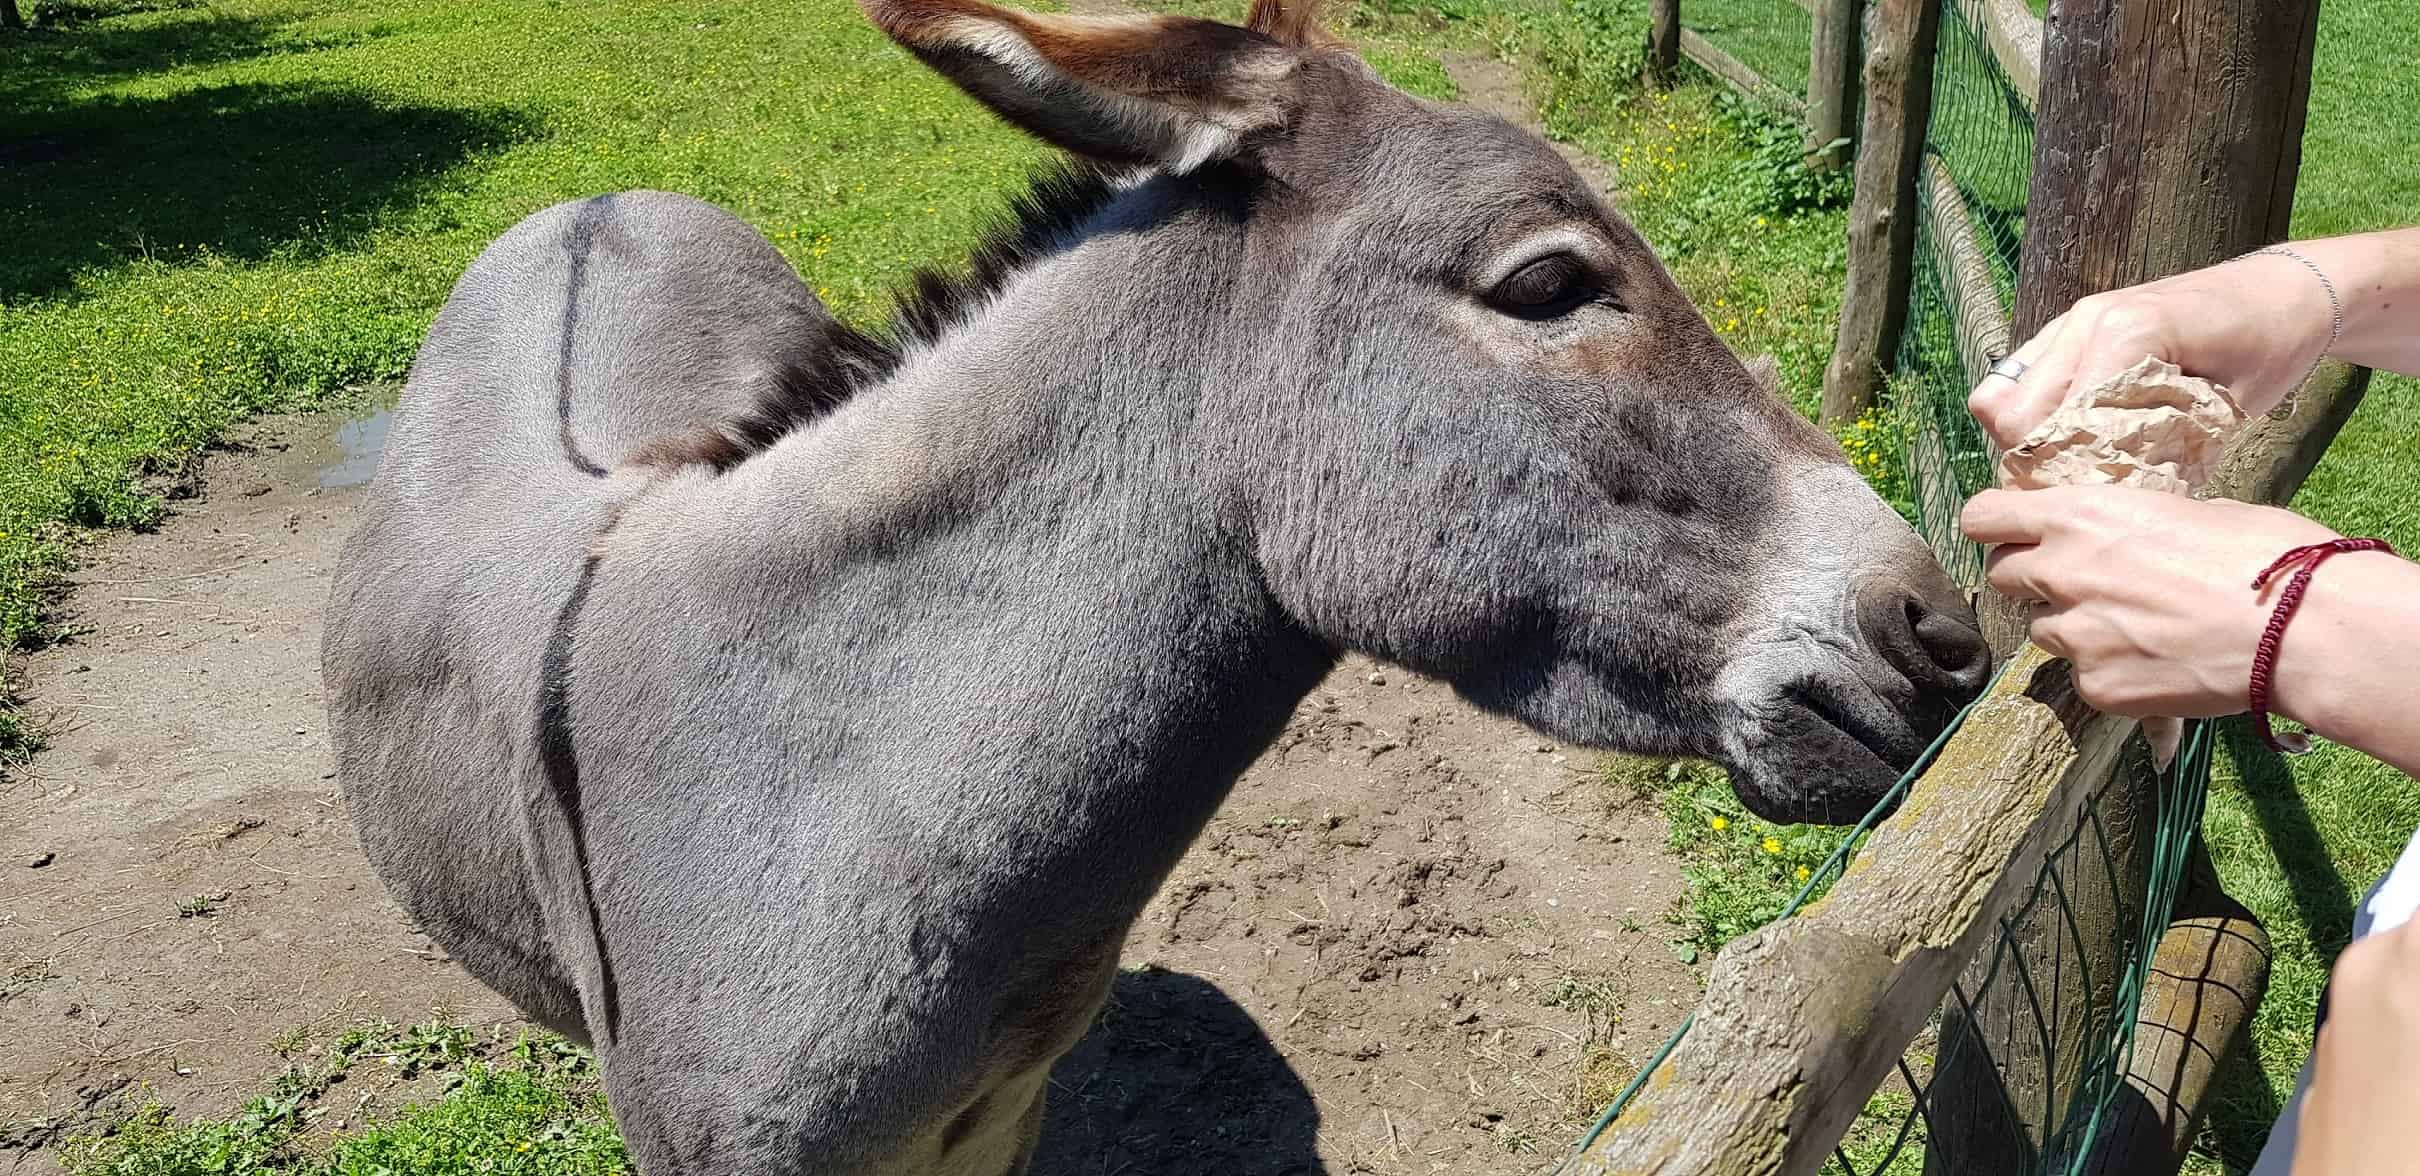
[
  {"x": 235, "y": 172},
  {"x": 2247, "y": 1109},
  {"x": 2321, "y": 897},
  {"x": 1175, "y": 1079},
  {"x": 71, "y": 52}
]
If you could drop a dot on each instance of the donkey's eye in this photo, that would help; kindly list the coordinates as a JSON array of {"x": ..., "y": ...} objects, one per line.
[{"x": 1550, "y": 287}]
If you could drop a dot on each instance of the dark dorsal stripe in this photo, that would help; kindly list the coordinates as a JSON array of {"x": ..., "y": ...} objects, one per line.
[
  {"x": 560, "y": 761},
  {"x": 583, "y": 238}
]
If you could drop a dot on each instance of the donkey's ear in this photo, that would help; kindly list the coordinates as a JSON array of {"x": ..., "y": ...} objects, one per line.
[{"x": 1169, "y": 90}]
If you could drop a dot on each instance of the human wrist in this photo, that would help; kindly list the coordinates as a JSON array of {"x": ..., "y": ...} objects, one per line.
[
  {"x": 2345, "y": 652},
  {"x": 2307, "y": 320},
  {"x": 2377, "y": 276}
]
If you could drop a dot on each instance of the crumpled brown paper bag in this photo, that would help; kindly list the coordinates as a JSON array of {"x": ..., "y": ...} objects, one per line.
[{"x": 2151, "y": 426}]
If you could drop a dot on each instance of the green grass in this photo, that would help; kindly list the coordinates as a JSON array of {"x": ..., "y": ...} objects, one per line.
[
  {"x": 528, "y": 1109},
  {"x": 1768, "y": 36},
  {"x": 229, "y": 209},
  {"x": 215, "y": 211},
  {"x": 1742, "y": 870}
]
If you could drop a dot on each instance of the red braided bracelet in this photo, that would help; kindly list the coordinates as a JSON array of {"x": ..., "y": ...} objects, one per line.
[{"x": 2304, "y": 561}]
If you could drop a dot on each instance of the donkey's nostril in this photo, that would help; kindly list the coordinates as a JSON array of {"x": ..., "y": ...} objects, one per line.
[
  {"x": 1935, "y": 643},
  {"x": 1956, "y": 645}
]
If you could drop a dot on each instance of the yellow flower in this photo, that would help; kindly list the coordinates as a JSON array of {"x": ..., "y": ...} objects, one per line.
[
  {"x": 1718, "y": 824},
  {"x": 1773, "y": 845},
  {"x": 1805, "y": 873}
]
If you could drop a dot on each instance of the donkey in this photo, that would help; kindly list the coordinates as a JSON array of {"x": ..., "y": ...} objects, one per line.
[{"x": 804, "y": 716}]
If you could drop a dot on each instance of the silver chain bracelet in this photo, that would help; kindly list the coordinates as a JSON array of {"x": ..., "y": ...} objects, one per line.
[{"x": 2335, "y": 307}]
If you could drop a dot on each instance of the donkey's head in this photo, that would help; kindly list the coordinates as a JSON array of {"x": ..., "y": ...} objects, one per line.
[{"x": 1477, "y": 428}]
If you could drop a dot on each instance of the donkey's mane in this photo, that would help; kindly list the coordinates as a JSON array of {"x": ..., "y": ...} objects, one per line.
[{"x": 1040, "y": 220}]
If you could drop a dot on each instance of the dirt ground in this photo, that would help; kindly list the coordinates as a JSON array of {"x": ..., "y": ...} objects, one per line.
[{"x": 1390, "y": 952}]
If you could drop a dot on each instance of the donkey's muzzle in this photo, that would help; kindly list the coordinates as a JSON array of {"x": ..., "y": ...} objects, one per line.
[{"x": 1928, "y": 634}]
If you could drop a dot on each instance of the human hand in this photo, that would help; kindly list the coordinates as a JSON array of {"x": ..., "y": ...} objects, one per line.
[
  {"x": 2149, "y": 594},
  {"x": 2366, "y": 1084},
  {"x": 2254, "y": 325}
]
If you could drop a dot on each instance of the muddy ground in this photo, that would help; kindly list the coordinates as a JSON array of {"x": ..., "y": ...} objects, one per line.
[{"x": 1396, "y": 950}]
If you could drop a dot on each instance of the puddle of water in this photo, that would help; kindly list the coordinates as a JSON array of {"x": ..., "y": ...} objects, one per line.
[{"x": 360, "y": 437}]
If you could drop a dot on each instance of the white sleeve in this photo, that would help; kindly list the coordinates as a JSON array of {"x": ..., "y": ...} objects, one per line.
[{"x": 2392, "y": 904}]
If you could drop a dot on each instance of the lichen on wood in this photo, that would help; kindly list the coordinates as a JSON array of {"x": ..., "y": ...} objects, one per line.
[{"x": 1805, "y": 1017}]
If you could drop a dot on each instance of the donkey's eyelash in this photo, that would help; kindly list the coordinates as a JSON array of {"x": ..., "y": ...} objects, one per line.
[{"x": 1549, "y": 287}]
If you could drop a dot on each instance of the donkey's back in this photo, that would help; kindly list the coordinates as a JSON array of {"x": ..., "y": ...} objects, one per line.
[{"x": 589, "y": 331}]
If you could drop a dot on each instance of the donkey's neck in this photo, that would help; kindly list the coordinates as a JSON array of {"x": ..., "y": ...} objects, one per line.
[
  {"x": 1044, "y": 522},
  {"x": 1078, "y": 384}
]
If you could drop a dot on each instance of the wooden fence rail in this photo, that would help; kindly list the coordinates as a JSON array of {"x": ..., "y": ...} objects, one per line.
[
  {"x": 1882, "y": 253},
  {"x": 1803, "y": 1019},
  {"x": 2015, "y": 34},
  {"x": 1882, "y": 213}
]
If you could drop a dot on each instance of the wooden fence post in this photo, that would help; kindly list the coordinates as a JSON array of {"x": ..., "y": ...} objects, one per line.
[
  {"x": 1663, "y": 40},
  {"x": 1882, "y": 216},
  {"x": 1832, "y": 84},
  {"x": 2168, "y": 137}
]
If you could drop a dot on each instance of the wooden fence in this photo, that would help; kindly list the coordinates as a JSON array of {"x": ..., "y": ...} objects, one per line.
[
  {"x": 2152, "y": 155},
  {"x": 1895, "y": 81}
]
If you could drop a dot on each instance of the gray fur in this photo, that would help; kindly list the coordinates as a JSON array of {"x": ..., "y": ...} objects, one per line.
[{"x": 820, "y": 791}]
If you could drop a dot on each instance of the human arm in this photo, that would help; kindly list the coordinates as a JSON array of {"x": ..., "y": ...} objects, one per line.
[
  {"x": 2365, "y": 1085},
  {"x": 2149, "y": 595},
  {"x": 2254, "y": 325}
]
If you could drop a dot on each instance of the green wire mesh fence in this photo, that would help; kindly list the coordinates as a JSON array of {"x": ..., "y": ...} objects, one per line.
[
  {"x": 2010, "y": 1073},
  {"x": 1901, "y": 1132},
  {"x": 1768, "y": 36},
  {"x": 1971, "y": 195}
]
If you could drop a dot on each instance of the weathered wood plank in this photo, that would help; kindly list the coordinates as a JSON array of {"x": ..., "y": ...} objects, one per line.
[
  {"x": 1739, "y": 77},
  {"x": 2207, "y": 977},
  {"x": 1882, "y": 217},
  {"x": 2015, "y": 36},
  {"x": 1803, "y": 1019},
  {"x": 1929, "y": 465},
  {"x": 1978, "y": 315}
]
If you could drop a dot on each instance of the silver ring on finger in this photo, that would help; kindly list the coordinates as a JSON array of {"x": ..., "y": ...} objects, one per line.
[{"x": 2010, "y": 367}]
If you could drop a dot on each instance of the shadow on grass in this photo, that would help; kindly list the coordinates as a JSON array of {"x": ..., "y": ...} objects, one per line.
[
  {"x": 1175, "y": 1079},
  {"x": 242, "y": 172},
  {"x": 2246, "y": 1110},
  {"x": 2321, "y": 897},
  {"x": 70, "y": 50}
]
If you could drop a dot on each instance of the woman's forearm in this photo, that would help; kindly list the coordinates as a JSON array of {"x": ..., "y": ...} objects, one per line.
[
  {"x": 2377, "y": 277},
  {"x": 2349, "y": 664}
]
